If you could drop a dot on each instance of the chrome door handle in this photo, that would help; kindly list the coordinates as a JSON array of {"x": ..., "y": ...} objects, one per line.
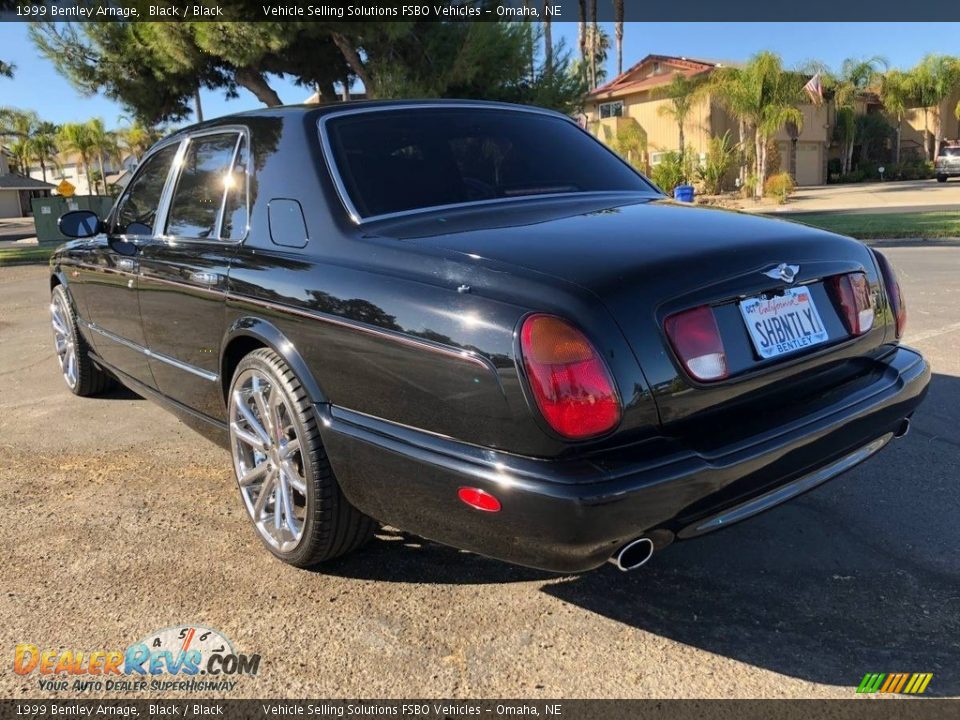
[
  {"x": 126, "y": 264},
  {"x": 204, "y": 278}
]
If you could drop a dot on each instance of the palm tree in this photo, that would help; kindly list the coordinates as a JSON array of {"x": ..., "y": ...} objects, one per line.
[
  {"x": 136, "y": 139},
  {"x": 16, "y": 128},
  {"x": 683, "y": 92},
  {"x": 547, "y": 38},
  {"x": 102, "y": 142},
  {"x": 896, "y": 96},
  {"x": 75, "y": 137},
  {"x": 43, "y": 146},
  {"x": 618, "y": 29},
  {"x": 856, "y": 76},
  {"x": 765, "y": 97},
  {"x": 6, "y": 69},
  {"x": 932, "y": 81}
]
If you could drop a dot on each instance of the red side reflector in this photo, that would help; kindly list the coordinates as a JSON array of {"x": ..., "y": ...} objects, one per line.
[
  {"x": 894, "y": 293},
  {"x": 697, "y": 342},
  {"x": 852, "y": 294},
  {"x": 567, "y": 378},
  {"x": 479, "y": 499}
]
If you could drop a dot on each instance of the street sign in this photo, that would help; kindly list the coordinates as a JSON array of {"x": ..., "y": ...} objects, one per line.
[{"x": 66, "y": 188}]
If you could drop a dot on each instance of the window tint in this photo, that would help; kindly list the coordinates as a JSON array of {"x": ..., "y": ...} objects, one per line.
[
  {"x": 235, "y": 207},
  {"x": 201, "y": 185},
  {"x": 392, "y": 161},
  {"x": 950, "y": 152},
  {"x": 138, "y": 207}
]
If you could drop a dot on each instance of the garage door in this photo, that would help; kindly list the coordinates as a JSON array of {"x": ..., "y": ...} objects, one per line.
[
  {"x": 9, "y": 203},
  {"x": 809, "y": 166}
]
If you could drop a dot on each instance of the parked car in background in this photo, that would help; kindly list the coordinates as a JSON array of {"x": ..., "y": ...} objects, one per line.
[
  {"x": 948, "y": 161},
  {"x": 474, "y": 322}
]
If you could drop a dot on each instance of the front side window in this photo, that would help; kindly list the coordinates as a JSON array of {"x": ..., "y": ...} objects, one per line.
[
  {"x": 137, "y": 209},
  {"x": 611, "y": 109},
  {"x": 206, "y": 174},
  {"x": 412, "y": 159}
]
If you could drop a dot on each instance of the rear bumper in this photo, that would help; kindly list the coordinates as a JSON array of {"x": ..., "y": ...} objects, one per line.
[{"x": 570, "y": 516}]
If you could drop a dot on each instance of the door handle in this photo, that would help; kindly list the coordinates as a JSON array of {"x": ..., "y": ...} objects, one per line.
[
  {"x": 127, "y": 264},
  {"x": 204, "y": 278}
]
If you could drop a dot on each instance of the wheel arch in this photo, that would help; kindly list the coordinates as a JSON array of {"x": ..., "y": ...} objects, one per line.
[{"x": 247, "y": 334}]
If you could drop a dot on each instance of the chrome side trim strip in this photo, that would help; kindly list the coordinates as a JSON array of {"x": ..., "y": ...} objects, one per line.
[
  {"x": 788, "y": 491},
  {"x": 418, "y": 343},
  {"x": 199, "y": 372},
  {"x": 210, "y": 290}
]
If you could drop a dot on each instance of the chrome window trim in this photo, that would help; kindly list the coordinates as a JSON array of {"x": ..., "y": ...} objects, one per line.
[
  {"x": 167, "y": 198},
  {"x": 199, "y": 372},
  {"x": 341, "y": 187}
]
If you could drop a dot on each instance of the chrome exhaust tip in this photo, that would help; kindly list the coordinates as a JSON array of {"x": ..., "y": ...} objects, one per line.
[
  {"x": 903, "y": 429},
  {"x": 633, "y": 554}
]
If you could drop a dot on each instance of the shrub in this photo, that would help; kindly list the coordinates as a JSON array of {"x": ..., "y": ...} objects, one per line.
[
  {"x": 779, "y": 186},
  {"x": 721, "y": 154},
  {"x": 669, "y": 172},
  {"x": 749, "y": 187}
]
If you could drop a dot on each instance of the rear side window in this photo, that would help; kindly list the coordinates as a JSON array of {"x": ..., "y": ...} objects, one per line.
[
  {"x": 399, "y": 160},
  {"x": 137, "y": 209},
  {"x": 204, "y": 182},
  {"x": 950, "y": 152}
]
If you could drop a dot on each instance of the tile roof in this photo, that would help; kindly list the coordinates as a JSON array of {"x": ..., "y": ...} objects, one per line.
[{"x": 19, "y": 182}]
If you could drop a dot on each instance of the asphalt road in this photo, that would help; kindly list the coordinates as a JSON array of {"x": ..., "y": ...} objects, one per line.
[{"x": 118, "y": 520}]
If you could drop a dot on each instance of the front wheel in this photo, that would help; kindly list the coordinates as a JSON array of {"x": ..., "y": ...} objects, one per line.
[
  {"x": 941, "y": 178},
  {"x": 79, "y": 372},
  {"x": 286, "y": 482}
]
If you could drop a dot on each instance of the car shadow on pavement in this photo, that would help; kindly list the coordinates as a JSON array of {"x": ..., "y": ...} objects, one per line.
[
  {"x": 119, "y": 392},
  {"x": 861, "y": 575}
]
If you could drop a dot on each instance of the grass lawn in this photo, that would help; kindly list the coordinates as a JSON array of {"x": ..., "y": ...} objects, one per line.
[
  {"x": 26, "y": 254},
  {"x": 885, "y": 225}
]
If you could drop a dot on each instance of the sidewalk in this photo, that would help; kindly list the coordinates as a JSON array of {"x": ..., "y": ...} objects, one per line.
[
  {"x": 17, "y": 231},
  {"x": 877, "y": 197}
]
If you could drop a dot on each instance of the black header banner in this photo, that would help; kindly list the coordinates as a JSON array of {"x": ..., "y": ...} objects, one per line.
[{"x": 559, "y": 11}]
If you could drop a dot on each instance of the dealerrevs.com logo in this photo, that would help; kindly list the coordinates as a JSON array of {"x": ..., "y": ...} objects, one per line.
[{"x": 188, "y": 658}]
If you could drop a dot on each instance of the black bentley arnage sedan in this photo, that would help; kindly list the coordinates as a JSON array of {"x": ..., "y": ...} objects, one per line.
[{"x": 474, "y": 322}]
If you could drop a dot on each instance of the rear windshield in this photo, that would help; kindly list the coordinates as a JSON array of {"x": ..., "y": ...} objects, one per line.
[
  {"x": 950, "y": 152},
  {"x": 399, "y": 160}
]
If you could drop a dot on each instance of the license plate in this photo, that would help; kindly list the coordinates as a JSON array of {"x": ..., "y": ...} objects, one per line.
[{"x": 783, "y": 324}]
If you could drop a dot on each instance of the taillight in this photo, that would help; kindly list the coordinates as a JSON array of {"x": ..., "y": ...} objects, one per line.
[
  {"x": 894, "y": 295},
  {"x": 568, "y": 379},
  {"x": 852, "y": 294},
  {"x": 697, "y": 342}
]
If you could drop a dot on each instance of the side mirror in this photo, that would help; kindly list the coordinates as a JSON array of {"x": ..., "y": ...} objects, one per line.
[{"x": 79, "y": 224}]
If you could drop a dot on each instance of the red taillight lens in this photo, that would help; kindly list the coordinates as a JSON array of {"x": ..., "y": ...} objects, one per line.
[
  {"x": 479, "y": 499},
  {"x": 852, "y": 295},
  {"x": 568, "y": 379},
  {"x": 697, "y": 342},
  {"x": 894, "y": 295}
]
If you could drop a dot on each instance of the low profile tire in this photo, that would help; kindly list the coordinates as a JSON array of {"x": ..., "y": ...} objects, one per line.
[
  {"x": 941, "y": 178},
  {"x": 285, "y": 480},
  {"x": 79, "y": 371}
]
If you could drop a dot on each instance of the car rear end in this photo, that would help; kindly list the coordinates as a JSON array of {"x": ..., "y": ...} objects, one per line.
[{"x": 948, "y": 162}]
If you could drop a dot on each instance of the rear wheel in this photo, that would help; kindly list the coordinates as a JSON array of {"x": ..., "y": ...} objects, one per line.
[
  {"x": 941, "y": 178},
  {"x": 286, "y": 482},
  {"x": 80, "y": 373}
]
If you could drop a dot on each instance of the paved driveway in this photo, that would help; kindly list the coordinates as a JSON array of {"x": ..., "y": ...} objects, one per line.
[
  {"x": 118, "y": 520},
  {"x": 904, "y": 196}
]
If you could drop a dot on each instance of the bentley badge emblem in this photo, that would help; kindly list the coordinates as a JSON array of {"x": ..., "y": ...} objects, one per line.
[{"x": 787, "y": 273}]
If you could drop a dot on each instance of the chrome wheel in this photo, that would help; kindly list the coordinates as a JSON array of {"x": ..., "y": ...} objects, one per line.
[
  {"x": 64, "y": 342},
  {"x": 268, "y": 459}
]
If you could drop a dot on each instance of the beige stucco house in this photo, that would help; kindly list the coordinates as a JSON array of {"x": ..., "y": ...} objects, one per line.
[
  {"x": 16, "y": 191},
  {"x": 631, "y": 98}
]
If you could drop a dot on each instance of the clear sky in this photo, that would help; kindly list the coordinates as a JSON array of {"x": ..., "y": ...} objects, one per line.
[{"x": 37, "y": 86}]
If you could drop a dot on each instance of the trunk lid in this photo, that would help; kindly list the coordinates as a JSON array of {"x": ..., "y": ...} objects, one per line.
[{"x": 651, "y": 258}]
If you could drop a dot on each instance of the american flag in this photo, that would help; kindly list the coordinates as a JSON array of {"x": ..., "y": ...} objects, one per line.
[{"x": 814, "y": 89}]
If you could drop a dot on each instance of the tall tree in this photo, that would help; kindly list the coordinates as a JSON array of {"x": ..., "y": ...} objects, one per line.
[
  {"x": 857, "y": 75},
  {"x": 765, "y": 97},
  {"x": 897, "y": 97},
  {"x": 103, "y": 143},
  {"x": 137, "y": 138},
  {"x": 932, "y": 82},
  {"x": 547, "y": 37},
  {"x": 683, "y": 92},
  {"x": 43, "y": 146},
  {"x": 75, "y": 138},
  {"x": 594, "y": 37},
  {"x": 618, "y": 30}
]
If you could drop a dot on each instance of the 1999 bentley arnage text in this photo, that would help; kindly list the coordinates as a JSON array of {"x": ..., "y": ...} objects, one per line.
[{"x": 473, "y": 322}]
